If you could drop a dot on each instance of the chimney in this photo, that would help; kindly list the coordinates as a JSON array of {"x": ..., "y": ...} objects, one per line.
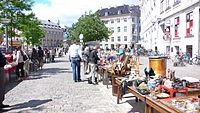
[
  {"x": 106, "y": 13},
  {"x": 119, "y": 12}
]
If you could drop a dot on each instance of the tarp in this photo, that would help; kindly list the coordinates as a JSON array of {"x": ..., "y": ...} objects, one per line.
[{"x": 92, "y": 43}]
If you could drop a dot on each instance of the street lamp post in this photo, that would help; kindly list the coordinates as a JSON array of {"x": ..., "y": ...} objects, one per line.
[
  {"x": 6, "y": 21},
  {"x": 6, "y": 37},
  {"x": 81, "y": 38}
]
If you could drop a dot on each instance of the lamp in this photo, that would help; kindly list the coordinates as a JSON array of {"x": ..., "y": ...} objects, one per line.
[{"x": 6, "y": 21}]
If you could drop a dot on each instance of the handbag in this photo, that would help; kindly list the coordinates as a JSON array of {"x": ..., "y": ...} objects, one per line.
[{"x": 23, "y": 55}]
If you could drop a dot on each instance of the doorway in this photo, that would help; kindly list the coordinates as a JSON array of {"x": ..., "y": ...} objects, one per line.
[
  {"x": 189, "y": 50},
  {"x": 177, "y": 49}
]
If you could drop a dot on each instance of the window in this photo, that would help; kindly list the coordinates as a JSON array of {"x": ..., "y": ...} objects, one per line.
[
  {"x": 125, "y": 28},
  {"x": 176, "y": 23},
  {"x": 189, "y": 24},
  {"x": 118, "y": 29},
  {"x": 167, "y": 3},
  {"x": 161, "y": 6},
  {"x": 125, "y": 38},
  {"x": 118, "y": 20},
  {"x": 167, "y": 32},
  {"x": 176, "y": 2},
  {"x": 133, "y": 19},
  {"x": 106, "y": 40},
  {"x": 111, "y": 21},
  {"x": 112, "y": 29},
  {"x": 106, "y": 22},
  {"x": 118, "y": 38},
  {"x": 125, "y": 19},
  {"x": 134, "y": 38},
  {"x": 112, "y": 39}
]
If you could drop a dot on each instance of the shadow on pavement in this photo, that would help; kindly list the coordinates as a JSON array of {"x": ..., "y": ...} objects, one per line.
[
  {"x": 53, "y": 71},
  {"x": 10, "y": 86},
  {"x": 29, "y": 104},
  {"x": 138, "y": 107}
]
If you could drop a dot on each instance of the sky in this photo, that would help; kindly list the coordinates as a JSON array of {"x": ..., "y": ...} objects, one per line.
[{"x": 68, "y": 11}]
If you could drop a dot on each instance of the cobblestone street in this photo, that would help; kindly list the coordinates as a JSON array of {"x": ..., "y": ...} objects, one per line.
[{"x": 52, "y": 90}]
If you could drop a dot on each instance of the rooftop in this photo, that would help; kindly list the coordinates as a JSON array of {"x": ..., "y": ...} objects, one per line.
[
  {"x": 49, "y": 24},
  {"x": 125, "y": 9}
]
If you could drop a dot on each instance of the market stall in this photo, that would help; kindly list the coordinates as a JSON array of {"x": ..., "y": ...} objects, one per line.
[
  {"x": 10, "y": 67},
  {"x": 158, "y": 89},
  {"x": 110, "y": 67}
]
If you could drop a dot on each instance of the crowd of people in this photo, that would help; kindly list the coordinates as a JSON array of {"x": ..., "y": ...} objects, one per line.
[{"x": 90, "y": 56}]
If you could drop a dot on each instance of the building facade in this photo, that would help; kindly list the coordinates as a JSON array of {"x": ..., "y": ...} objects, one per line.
[
  {"x": 171, "y": 26},
  {"x": 124, "y": 22},
  {"x": 53, "y": 34}
]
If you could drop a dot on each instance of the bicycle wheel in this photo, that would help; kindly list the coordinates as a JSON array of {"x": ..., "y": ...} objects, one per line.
[{"x": 194, "y": 61}]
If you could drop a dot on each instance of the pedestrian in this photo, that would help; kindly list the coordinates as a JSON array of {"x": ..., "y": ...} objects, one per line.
[
  {"x": 20, "y": 64},
  {"x": 40, "y": 56},
  {"x": 93, "y": 60},
  {"x": 75, "y": 56},
  {"x": 121, "y": 52},
  {"x": 86, "y": 59},
  {"x": 34, "y": 59},
  {"x": 2, "y": 76}
]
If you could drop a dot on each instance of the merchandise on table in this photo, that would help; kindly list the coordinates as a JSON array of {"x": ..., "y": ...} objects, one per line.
[{"x": 184, "y": 104}]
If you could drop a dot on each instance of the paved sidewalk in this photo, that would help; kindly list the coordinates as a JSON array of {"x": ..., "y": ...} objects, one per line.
[
  {"x": 52, "y": 90},
  {"x": 185, "y": 71}
]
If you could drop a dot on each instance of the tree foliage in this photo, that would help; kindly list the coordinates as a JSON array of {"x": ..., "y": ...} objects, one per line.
[
  {"x": 31, "y": 31},
  {"x": 14, "y": 10},
  {"x": 92, "y": 28},
  {"x": 18, "y": 11}
]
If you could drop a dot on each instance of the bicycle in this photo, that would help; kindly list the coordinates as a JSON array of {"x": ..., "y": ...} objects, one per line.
[
  {"x": 178, "y": 61},
  {"x": 196, "y": 60}
]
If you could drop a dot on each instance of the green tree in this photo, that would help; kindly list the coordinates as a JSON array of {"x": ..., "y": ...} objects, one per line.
[
  {"x": 31, "y": 30},
  {"x": 14, "y": 10},
  {"x": 92, "y": 28}
]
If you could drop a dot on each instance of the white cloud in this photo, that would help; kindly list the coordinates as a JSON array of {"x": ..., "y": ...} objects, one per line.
[{"x": 68, "y": 11}]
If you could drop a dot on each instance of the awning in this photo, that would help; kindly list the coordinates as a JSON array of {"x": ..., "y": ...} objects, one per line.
[{"x": 15, "y": 43}]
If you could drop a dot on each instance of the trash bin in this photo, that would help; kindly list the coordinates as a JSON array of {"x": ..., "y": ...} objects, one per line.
[{"x": 159, "y": 64}]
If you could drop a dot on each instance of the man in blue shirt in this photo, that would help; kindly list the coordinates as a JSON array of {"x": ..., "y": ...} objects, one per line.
[{"x": 75, "y": 56}]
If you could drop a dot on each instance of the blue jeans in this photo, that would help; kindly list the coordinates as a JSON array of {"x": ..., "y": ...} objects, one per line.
[{"x": 76, "y": 68}]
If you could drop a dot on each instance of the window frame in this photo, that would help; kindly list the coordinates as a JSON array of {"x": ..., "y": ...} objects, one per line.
[
  {"x": 125, "y": 38},
  {"x": 189, "y": 24},
  {"x": 118, "y": 29},
  {"x": 125, "y": 28},
  {"x": 118, "y": 38}
]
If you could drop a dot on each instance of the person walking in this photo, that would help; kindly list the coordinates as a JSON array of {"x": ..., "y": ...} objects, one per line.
[
  {"x": 52, "y": 54},
  {"x": 75, "y": 56},
  {"x": 2, "y": 76},
  {"x": 20, "y": 64},
  {"x": 86, "y": 60},
  {"x": 34, "y": 60},
  {"x": 93, "y": 60},
  {"x": 40, "y": 56}
]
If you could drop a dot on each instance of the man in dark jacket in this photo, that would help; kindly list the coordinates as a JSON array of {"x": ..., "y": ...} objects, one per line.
[
  {"x": 2, "y": 76},
  {"x": 93, "y": 60}
]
